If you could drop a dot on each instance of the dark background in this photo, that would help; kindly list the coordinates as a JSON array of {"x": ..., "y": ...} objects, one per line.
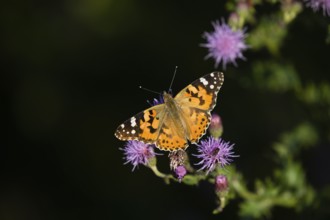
[{"x": 71, "y": 71}]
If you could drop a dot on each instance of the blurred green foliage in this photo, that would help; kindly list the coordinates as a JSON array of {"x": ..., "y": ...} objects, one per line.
[
  {"x": 288, "y": 186},
  {"x": 274, "y": 76}
]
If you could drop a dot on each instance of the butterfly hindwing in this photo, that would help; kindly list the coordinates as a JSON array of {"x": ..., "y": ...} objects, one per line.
[
  {"x": 144, "y": 126},
  {"x": 170, "y": 138},
  {"x": 197, "y": 122}
]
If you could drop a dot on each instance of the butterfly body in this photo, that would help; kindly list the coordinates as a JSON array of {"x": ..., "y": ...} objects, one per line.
[
  {"x": 174, "y": 111},
  {"x": 179, "y": 120}
]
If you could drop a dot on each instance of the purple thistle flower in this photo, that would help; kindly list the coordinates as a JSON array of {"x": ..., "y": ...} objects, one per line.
[
  {"x": 214, "y": 151},
  {"x": 224, "y": 44},
  {"x": 137, "y": 152},
  {"x": 319, "y": 4}
]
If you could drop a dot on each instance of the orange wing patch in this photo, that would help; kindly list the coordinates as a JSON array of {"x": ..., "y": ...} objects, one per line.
[
  {"x": 198, "y": 97},
  {"x": 171, "y": 142},
  {"x": 198, "y": 121},
  {"x": 170, "y": 138},
  {"x": 202, "y": 93},
  {"x": 149, "y": 125},
  {"x": 198, "y": 129}
]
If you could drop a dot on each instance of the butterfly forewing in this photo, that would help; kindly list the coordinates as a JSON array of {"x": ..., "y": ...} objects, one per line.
[
  {"x": 144, "y": 126},
  {"x": 202, "y": 93}
]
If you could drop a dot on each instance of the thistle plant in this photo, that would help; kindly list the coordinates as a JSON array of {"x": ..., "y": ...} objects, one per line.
[
  {"x": 214, "y": 155},
  {"x": 286, "y": 185}
]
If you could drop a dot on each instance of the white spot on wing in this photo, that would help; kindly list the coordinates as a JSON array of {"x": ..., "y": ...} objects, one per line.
[
  {"x": 212, "y": 74},
  {"x": 211, "y": 86},
  {"x": 122, "y": 125},
  {"x": 204, "y": 81},
  {"x": 133, "y": 131},
  {"x": 133, "y": 121}
]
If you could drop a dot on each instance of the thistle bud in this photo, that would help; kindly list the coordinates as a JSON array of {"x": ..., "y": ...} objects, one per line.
[
  {"x": 180, "y": 172},
  {"x": 221, "y": 184},
  {"x": 216, "y": 128}
]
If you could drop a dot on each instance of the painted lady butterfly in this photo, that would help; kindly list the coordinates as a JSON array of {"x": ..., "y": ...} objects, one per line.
[{"x": 178, "y": 120}]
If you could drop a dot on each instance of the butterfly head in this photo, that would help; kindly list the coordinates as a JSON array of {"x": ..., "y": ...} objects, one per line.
[{"x": 167, "y": 96}]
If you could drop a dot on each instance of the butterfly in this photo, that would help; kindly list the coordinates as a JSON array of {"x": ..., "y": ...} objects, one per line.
[{"x": 177, "y": 121}]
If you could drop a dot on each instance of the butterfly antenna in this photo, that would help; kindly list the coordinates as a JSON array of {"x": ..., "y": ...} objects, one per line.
[
  {"x": 149, "y": 90},
  {"x": 149, "y": 102},
  {"x": 176, "y": 67}
]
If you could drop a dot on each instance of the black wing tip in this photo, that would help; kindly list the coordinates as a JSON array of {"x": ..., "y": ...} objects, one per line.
[{"x": 218, "y": 73}]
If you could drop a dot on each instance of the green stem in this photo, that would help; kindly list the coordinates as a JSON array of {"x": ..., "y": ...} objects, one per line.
[
  {"x": 157, "y": 172},
  {"x": 222, "y": 204},
  {"x": 166, "y": 177},
  {"x": 242, "y": 190}
]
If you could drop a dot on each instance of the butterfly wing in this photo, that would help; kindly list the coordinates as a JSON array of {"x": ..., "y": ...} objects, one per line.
[
  {"x": 170, "y": 138},
  {"x": 202, "y": 93},
  {"x": 153, "y": 126},
  {"x": 197, "y": 100},
  {"x": 144, "y": 126}
]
